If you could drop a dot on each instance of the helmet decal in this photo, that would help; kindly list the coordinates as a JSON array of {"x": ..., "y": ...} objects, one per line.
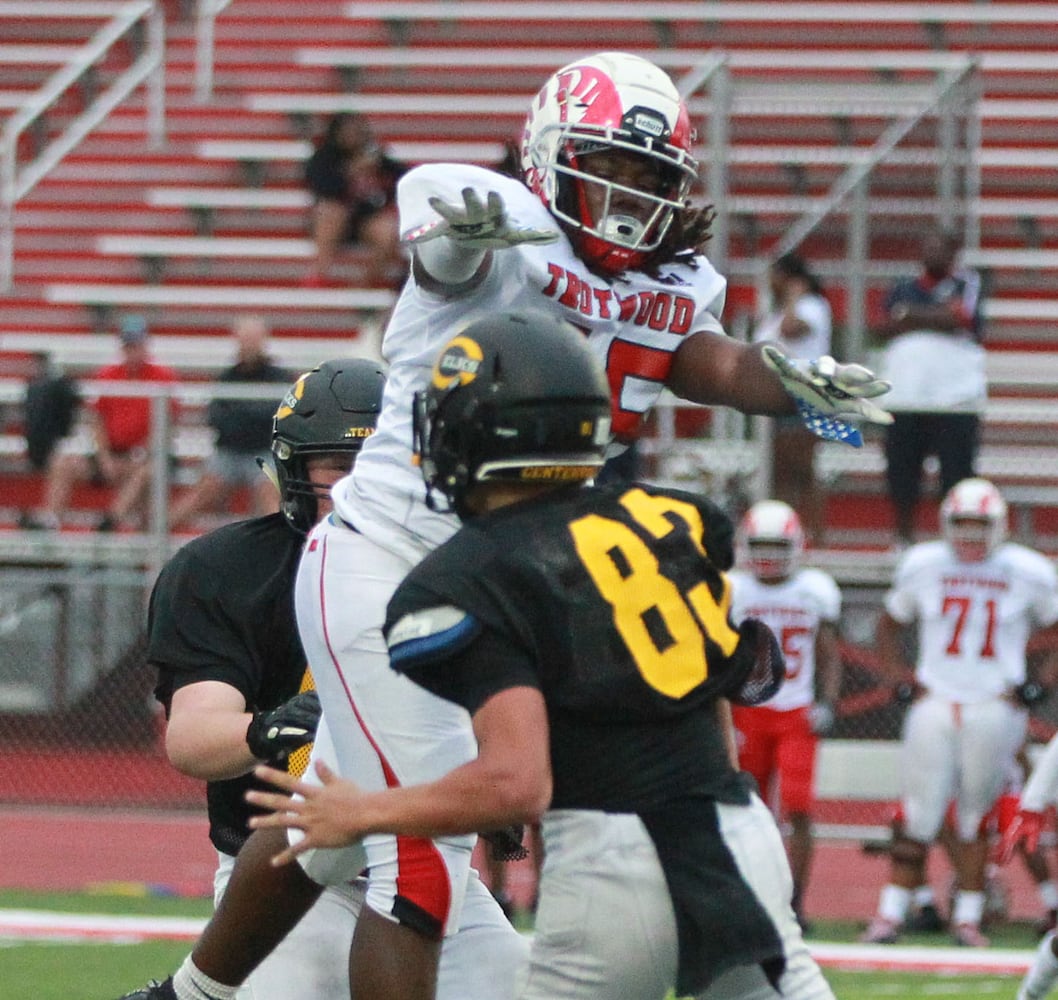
[
  {"x": 459, "y": 362},
  {"x": 518, "y": 396}
]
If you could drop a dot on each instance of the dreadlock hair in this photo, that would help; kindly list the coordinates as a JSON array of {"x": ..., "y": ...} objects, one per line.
[{"x": 687, "y": 235}]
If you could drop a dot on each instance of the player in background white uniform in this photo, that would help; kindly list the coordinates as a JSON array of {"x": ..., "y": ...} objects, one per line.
[
  {"x": 1037, "y": 799},
  {"x": 600, "y": 235},
  {"x": 976, "y": 599},
  {"x": 802, "y": 606}
]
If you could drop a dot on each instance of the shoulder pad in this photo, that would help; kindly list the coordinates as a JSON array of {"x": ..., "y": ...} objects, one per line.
[{"x": 430, "y": 634}]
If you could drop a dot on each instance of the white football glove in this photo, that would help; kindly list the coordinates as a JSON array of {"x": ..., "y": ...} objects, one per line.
[
  {"x": 830, "y": 395},
  {"x": 477, "y": 226}
]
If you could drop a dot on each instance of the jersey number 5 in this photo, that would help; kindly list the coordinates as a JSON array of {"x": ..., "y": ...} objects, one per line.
[{"x": 661, "y": 626}]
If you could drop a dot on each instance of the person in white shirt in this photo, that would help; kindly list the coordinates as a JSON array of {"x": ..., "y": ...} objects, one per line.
[
  {"x": 977, "y": 599},
  {"x": 933, "y": 332},
  {"x": 777, "y": 740},
  {"x": 799, "y": 320}
]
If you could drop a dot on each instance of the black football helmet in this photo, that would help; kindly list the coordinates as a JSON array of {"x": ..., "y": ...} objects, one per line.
[
  {"x": 332, "y": 408},
  {"x": 519, "y": 397}
]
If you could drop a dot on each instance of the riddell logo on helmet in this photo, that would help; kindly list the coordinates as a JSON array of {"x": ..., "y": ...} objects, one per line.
[
  {"x": 646, "y": 122},
  {"x": 460, "y": 360}
]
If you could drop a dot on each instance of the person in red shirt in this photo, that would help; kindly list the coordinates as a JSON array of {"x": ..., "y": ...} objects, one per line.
[{"x": 121, "y": 431}]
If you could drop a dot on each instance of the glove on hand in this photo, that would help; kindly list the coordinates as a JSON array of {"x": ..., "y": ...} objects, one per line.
[
  {"x": 829, "y": 395},
  {"x": 477, "y": 226},
  {"x": 273, "y": 735},
  {"x": 821, "y": 718},
  {"x": 1029, "y": 693},
  {"x": 1025, "y": 828}
]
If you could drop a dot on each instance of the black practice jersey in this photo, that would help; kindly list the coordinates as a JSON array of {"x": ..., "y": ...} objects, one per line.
[
  {"x": 611, "y": 601},
  {"x": 222, "y": 609}
]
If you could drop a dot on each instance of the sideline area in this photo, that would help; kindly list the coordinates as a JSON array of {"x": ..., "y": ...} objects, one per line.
[{"x": 39, "y": 925}]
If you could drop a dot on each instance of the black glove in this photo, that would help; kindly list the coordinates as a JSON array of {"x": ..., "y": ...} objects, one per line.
[
  {"x": 906, "y": 692},
  {"x": 506, "y": 844},
  {"x": 272, "y": 735},
  {"x": 1030, "y": 693}
]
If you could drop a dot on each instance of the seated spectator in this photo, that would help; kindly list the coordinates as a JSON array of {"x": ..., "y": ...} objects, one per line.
[
  {"x": 52, "y": 401},
  {"x": 244, "y": 431},
  {"x": 121, "y": 432},
  {"x": 353, "y": 183}
]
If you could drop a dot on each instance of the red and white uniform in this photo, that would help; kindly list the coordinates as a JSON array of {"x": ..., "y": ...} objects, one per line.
[
  {"x": 776, "y": 739},
  {"x": 974, "y": 621},
  {"x": 383, "y": 729},
  {"x": 634, "y": 324},
  {"x": 793, "y": 609}
]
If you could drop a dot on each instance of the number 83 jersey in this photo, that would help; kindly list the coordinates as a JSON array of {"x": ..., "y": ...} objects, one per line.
[
  {"x": 974, "y": 618},
  {"x": 610, "y": 601}
]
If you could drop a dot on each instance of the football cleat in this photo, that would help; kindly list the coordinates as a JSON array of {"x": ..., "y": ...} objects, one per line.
[
  {"x": 969, "y": 936},
  {"x": 881, "y": 931},
  {"x": 154, "y": 990},
  {"x": 925, "y": 919}
]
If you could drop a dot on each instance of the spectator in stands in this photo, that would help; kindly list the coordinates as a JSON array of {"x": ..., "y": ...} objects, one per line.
[
  {"x": 778, "y": 739},
  {"x": 243, "y": 431},
  {"x": 353, "y": 182},
  {"x": 934, "y": 358},
  {"x": 974, "y": 599},
  {"x": 799, "y": 320},
  {"x": 51, "y": 405},
  {"x": 121, "y": 432}
]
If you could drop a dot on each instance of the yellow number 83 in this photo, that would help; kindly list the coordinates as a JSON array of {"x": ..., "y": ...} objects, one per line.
[{"x": 629, "y": 579}]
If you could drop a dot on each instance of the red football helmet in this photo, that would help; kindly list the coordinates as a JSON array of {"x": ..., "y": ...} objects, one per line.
[
  {"x": 973, "y": 519},
  {"x": 770, "y": 540},
  {"x": 610, "y": 102}
]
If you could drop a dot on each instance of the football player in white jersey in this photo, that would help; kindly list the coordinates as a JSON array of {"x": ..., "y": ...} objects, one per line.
[
  {"x": 976, "y": 599},
  {"x": 600, "y": 234},
  {"x": 1037, "y": 799},
  {"x": 777, "y": 740}
]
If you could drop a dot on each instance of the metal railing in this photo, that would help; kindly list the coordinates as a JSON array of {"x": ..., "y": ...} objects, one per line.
[
  {"x": 171, "y": 438},
  {"x": 205, "y": 27},
  {"x": 951, "y": 99},
  {"x": 148, "y": 67}
]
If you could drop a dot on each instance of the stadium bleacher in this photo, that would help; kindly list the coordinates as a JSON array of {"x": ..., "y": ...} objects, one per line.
[{"x": 216, "y": 219}]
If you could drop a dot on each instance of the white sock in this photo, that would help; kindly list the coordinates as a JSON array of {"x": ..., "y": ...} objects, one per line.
[
  {"x": 191, "y": 983},
  {"x": 969, "y": 908},
  {"x": 1048, "y": 892},
  {"x": 1042, "y": 974},
  {"x": 894, "y": 903}
]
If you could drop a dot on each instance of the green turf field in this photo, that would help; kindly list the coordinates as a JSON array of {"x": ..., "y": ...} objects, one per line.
[{"x": 97, "y": 971}]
